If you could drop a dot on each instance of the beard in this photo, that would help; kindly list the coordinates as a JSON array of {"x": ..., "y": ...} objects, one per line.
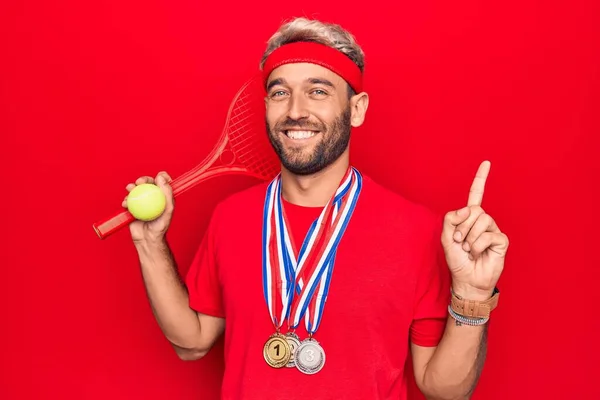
[{"x": 334, "y": 141}]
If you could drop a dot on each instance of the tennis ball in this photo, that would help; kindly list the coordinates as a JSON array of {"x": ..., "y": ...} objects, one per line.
[{"x": 146, "y": 202}]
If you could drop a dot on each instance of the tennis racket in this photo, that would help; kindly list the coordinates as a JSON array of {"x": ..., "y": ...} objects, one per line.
[{"x": 243, "y": 148}]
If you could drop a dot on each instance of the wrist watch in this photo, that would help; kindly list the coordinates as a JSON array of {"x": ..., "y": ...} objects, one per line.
[{"x": 472, "y": 308}]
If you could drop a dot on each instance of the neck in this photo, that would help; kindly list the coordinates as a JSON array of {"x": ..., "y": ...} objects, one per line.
[{"x": 317, "y": 189}]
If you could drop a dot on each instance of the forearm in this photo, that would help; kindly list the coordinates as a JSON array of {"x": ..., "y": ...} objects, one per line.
[
  {"x": 168, "y": 296},
  {"x": 456, "y": 365}
]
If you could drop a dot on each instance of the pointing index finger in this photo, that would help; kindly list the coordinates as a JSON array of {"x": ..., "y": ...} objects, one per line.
[{"x": 478, "y": 185}]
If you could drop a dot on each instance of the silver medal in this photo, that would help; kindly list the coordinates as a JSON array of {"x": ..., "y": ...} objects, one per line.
[
  {"x": 309, "y": 357},
  {"x": 294, "y": 342}
]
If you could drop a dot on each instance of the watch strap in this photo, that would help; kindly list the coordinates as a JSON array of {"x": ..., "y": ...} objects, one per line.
[{"x": 472, "y": 308}]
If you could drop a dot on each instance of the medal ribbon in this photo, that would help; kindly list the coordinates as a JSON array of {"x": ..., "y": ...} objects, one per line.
[{"x": 290, "y": 282}]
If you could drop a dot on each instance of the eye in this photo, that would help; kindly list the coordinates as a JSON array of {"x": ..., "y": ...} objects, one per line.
[
  {"x": 277, "y": 93},
  {"x": 319, "y": 92}
]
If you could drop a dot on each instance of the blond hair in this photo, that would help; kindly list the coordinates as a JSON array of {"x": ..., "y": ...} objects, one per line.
[{"x": 307, "y": 30}]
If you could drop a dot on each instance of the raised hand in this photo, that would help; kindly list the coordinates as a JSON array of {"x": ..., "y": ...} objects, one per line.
[
  {"x": 475, "y": 247},
  {"x": 155, "y": 230}
]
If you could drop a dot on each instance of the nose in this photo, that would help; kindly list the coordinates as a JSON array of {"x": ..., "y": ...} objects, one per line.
[{"x": 297, "y": 107}]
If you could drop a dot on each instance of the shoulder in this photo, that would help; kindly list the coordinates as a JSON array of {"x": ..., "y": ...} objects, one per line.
[
  {"x": 396, "y": 208},
  {"x": 253, "y": 194},
  {"x": 241, "y": 205},
  {"x": 408, "y": 227}
]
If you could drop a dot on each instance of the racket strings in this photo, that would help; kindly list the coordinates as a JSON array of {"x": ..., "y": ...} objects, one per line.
[
  {"x": 234, "y": 120},
  {"x": 254, "y": 152},
  {"x": 246, "y": 133}
]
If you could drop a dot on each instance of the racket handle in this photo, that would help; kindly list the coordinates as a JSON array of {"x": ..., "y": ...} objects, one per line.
[
  {"x": 121, "y": 219},
  {"x": 108, "y": 226},
  {"x": 182, "y": 184}
]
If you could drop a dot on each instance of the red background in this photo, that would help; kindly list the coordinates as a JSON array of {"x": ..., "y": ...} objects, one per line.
[{"x": 95, "y": 94}]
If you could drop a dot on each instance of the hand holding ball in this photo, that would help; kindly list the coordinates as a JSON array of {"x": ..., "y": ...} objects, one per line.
[{"x": 146, "y": 202}]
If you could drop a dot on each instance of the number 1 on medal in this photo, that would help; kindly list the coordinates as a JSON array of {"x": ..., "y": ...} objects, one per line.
[{"x": 277, "y": 352}]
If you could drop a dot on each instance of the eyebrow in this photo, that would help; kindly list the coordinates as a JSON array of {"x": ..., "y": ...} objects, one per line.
[
  {"x": 314, "y": 81},
  {"x": 274, "y": 82},
  {"x": 321, "y": 81}
]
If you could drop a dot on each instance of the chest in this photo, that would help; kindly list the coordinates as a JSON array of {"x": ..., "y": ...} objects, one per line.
[{"x": 372, "y": 281}]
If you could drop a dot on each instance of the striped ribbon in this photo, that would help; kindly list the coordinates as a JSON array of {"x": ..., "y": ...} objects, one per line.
[{"x": 296, "y": 284}]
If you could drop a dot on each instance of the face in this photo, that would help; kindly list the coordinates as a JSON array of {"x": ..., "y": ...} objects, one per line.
[{"x": 309, "y": 116}]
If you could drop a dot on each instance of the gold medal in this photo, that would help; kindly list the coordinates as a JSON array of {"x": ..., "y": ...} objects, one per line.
[{"x": 277, "y": 351}]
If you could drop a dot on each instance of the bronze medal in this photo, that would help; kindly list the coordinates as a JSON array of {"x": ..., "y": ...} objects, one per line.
[{"x": 294, "y": 342}]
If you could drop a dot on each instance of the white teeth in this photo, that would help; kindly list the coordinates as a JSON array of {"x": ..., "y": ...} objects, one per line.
[{"x": 300, "y": 134}]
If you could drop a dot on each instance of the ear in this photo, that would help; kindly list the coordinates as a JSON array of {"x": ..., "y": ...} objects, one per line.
[{"x": 359, "y": 104}]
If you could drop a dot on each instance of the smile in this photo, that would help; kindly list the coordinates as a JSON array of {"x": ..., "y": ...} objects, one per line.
[{"x": 299, "y": 135}]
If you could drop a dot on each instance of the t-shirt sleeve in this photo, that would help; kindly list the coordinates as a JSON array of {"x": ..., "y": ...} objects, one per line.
[
  {"x": 432, "y": 293},
  {"x": 202, "y": 278}
]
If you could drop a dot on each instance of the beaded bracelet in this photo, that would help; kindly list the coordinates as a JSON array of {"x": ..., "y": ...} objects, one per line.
[{"x": 467, "y": 321}]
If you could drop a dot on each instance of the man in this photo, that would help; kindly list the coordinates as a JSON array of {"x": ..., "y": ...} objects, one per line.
[{"x": 322, "y": 281}]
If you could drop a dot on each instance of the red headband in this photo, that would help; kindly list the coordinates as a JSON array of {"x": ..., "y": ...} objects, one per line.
[{"x": 315, "y": 53}]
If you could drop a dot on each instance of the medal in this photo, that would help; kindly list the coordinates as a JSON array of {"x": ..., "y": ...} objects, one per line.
[
  {"x": 294, "y": 342},
  {"x": 295, "y": 284},
  {"x": 278, "y": 291},
  {"x": 277, "y": 351},
  {"x": 310, "y": 357}
]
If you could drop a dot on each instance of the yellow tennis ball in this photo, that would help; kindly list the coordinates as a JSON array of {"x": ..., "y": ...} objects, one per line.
[{"x": 146, "y": 202}]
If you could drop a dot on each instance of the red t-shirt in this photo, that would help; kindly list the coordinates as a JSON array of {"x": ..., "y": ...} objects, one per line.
[{"x": 390, "y": 285}]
